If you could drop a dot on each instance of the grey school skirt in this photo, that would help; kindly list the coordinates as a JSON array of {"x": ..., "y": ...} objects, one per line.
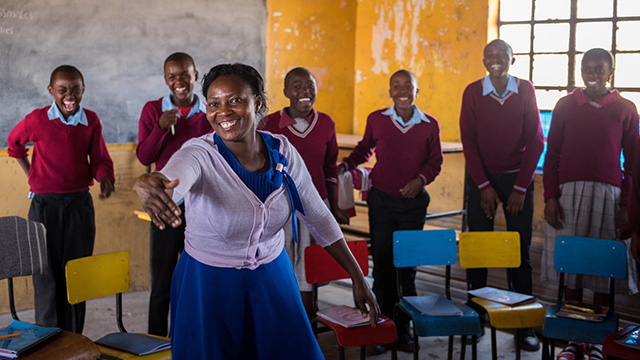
[{"x": 590, "y": 210}]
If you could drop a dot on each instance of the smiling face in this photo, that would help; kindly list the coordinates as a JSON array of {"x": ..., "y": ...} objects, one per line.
[
  {"x": 498, "y": 57},
  {"x": 300, "y": 88},
  {"x": 181, "y": 76},
  {"x": 232, "y": 108},
  {"x": 596, "y": 72},
  {"x": 403, "y": 89},
  {"x": 67, "y": 89}
]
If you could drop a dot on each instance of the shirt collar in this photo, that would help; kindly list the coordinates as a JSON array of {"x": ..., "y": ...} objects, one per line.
[
  {"x": 606, "y": 100},
  {"x": 168, "y": 105},
  {"x": 286, "y": 119},
  {"x": 417, "y": 117},
  {"x": 488, "y": 88},
  {"x": 78, "y": 118}
]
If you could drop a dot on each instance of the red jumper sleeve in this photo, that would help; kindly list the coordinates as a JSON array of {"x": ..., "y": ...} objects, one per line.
[
  {"x": 365, "y": 148},
  {"x": 469, "y": 139},
  {"x": 150, "y": 136},
  {"x": 433, "y": 165},
  {"x": 629, "y": 140},
  {"x": 534, "y": 140},
  {"x": 551, "y": 176},
  {"x": 99, "y": 159},
  {"x": 330, "y": 166},
  {"x": 18, "y": 139}
]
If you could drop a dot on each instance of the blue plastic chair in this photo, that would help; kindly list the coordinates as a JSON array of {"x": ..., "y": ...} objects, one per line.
[
  {"x": 579, "y": 255},
  {"x": 433, "y": 247}
]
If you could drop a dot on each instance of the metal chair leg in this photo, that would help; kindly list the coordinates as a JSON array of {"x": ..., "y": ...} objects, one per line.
[
  {"x": 394, "y": 351},
  {"x": 362, "y": 352},
  {"x": 342, "y": 353},
  {"x": 416, "y": 346},
  {"x": 494, "y": 347},
  {"x": 517, "y": 349},
  {"x": 450, "y": 349},
  {"x": 464, "y": 347},
  {"x": 474, "y": 347}
]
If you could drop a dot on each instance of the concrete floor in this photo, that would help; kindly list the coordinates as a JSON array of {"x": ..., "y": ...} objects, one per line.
[{"x": 101, "y": 320}]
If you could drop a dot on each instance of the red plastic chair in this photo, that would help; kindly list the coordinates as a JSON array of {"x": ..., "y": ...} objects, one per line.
[{"x": 320, "y": 267}]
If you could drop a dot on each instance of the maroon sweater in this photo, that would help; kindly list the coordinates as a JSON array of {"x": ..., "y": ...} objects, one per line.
[
  {"x": 156, "y": 145},
  {"x": 402, "y": 153},
  {"x": 65, "y": 158},
  {"x": 317, "y": 145},
  {"x": 634, "y": 194},
  {"x": 501, "y": 135},
  {"x": 585, "y": 141}
]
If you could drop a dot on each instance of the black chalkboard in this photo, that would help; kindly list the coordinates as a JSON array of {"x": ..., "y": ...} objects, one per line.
[{"x": 120, "y": 47}]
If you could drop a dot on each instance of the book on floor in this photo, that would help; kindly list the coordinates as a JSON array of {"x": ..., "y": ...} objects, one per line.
[
  {"x": 345, "y": 316},
  {"x": 138, "y": 344},
  {"x": 630, "y": 337},
  {"x": 582, "y": 311},
  {"x": 433, "y": 305},
  {"x": 502, "y": 296},
  {"x": 19, "y": 337}
]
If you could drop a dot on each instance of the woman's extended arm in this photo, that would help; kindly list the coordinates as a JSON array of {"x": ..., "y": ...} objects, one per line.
[
  {"x": 363, "y": 297},
  {"x": 155, "y": 192}
]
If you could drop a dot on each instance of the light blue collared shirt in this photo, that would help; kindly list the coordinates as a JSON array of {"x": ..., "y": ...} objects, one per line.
[
  {"x": 168, "y": 105},
  {"x": 416, "y": 118},
  {"x": 78, "y": 118},
  {"x": 488, "y": 88}
]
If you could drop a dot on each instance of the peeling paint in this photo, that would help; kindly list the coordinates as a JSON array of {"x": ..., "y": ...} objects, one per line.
[
  {"x": 379, "y": 33},
  {"x": 277, "y": 13}
]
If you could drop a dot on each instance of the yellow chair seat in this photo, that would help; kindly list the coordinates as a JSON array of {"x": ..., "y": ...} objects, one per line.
[{"x": 512, "y": 317}]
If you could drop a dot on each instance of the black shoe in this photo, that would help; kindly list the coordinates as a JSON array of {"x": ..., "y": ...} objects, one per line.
[
  {"x": 527, "y": 340},
  {"x": 374, "y": 350}
]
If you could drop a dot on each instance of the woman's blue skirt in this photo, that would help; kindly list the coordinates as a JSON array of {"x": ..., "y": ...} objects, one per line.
[{"x": 227, "y": 313}]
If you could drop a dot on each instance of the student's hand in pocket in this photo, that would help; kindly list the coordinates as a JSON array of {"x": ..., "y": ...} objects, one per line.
[{"x": 553, "y": 213}]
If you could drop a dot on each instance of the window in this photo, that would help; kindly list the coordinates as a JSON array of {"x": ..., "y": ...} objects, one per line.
[{"x": 549, "y": 37}]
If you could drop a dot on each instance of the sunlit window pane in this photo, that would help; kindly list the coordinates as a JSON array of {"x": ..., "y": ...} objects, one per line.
[
  {"x": 627, "y": 74},
  {"x": 550, "y": 70},
  {"x": 627, "y": 35},
  {"x": 633, "y": 96},
  {"x": 595, "y": 8},
  {"x": 518, "y": 36},
  {"x": 514, "y": 10},
  {"x": 552, "y": 9},
  {"x": 547, "y": 99},
  {"x": 551, "y": 37},
  {"x": 521, "y": 67},
  {"x": 592, "y": 35},
  {"x": 578, "y": 72},
  {"x": 628, "y": 8}
]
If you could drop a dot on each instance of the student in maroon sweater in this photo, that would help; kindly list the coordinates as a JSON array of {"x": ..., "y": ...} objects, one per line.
[
  {"x": 166, "y": 124},
  {"x": 408, "y": 157},
  {"x": 585, "y": 189},
  {"x": 68, "y": 153},
  {"x": 313, "y": 134},
  {"x": 502, "y": 140}
]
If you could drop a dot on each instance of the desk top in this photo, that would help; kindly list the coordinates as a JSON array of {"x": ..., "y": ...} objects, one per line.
[{"x": 349, "y": 141}]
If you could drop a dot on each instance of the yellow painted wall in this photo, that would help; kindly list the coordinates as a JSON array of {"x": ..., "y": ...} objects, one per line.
[
  {"x": 116, "y": 226},
  {"x": 320, "y": 36},
  {"x": 439, "y": 41}
]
